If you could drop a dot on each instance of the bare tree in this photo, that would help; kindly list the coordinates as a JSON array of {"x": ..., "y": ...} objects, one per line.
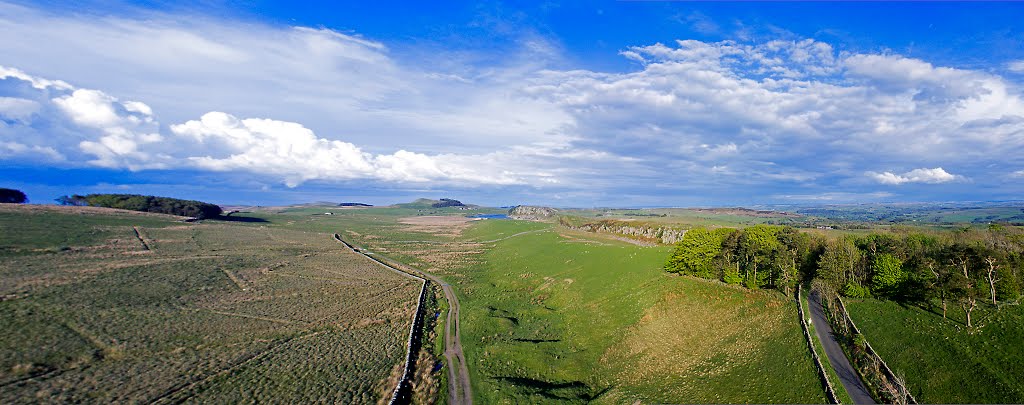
[
  {"x": 961, "y": 262},
  {"x": 967, "y": 300},
  {"x": 968, "y": 304},
  {"x": 991, "y": 276},
  {"x": 939, "y": 283}
]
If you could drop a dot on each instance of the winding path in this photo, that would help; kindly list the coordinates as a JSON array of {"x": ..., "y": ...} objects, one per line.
[{"x": 847, "y": 375}]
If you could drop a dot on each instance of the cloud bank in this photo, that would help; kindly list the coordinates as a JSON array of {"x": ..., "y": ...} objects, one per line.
[{"x": 787, "y": 118}]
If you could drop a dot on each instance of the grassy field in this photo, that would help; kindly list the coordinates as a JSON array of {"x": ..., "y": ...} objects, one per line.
[
  {"x": 551, "y": 316},
  {"x": 110, "y": 306},
  {"x": 942, "y": 360},
  {"x": 228, "y": 312}
]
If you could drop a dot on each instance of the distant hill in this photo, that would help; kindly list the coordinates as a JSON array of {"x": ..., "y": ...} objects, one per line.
[
  {"x": 447, "y": 202},
  {"x": 352, "y": 204},
  {"x": 426, "y": 203}
]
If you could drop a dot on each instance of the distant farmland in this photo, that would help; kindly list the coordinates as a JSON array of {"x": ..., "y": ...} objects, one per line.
[{"x": 110, "y": 306}]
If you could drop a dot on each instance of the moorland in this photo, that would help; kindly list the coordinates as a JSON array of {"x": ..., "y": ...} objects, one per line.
[{"x": 571, "y": 306}]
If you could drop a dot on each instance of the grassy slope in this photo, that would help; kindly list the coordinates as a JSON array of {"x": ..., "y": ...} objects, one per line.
[
  {"x": 550, "y": 319},
  {"x": 547, "y": 318},
  {"x": 943, "y": 362},
  {"x": 98, "y": 319}
]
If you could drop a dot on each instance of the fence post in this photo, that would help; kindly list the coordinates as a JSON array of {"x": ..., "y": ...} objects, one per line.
[{"x": 888, "y": 375}]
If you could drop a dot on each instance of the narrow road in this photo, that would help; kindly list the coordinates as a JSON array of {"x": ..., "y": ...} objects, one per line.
[
  {"x": 459, "y": 388},
  {"x": 847, "y": 375}
]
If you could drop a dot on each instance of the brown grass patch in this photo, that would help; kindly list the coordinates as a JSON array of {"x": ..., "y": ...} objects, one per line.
[
  {"x": 700, "y": 335},
  {"x": 438, "y": 225},
  {"x": 62, "y": 209}
]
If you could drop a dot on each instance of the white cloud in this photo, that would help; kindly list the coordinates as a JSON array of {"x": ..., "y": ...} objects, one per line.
[
  {"x": 90, "y": 108},
  {"x": 1016, "y": 66},
  {"x": 38, "y": 83},
  {"x": 332, "y": 82},
  {"x": 298, "y": 104},
  {"x": 10, "y": 150},
  {"x": 927, "y": 176},
  {"x": 116, "y": 134},
  {"x": 295, "y": 153},
  {"x": 17, "y": 109}
]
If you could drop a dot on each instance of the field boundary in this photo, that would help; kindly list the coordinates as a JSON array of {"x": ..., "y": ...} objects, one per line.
[
  {"x": 403, "y": 390},
  {"x": 138, "y": 235},
  {"x": 886, "y": 371},
  {"x": 187, "y": 387},
  {"x": 830, "y": 392}
]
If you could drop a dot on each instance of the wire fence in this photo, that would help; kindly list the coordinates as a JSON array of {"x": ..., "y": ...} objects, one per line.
[{"x": 878, "y": 376}]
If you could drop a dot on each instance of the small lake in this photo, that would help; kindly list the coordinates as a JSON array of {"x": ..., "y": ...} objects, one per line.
[{"x": 490, "y": 216}]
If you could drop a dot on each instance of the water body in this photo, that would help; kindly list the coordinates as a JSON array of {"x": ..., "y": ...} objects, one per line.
[{"x": 490, "y": 216}]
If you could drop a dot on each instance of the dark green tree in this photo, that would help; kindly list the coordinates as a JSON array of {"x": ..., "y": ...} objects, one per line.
[{"x": 12, "y": 196}]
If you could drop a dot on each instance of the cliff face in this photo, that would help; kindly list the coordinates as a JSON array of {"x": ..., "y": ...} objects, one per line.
[
  {"x": 642, "y": 232},
  {"x": 530, "y": 213},
  {"x": 647, "y": 233}
]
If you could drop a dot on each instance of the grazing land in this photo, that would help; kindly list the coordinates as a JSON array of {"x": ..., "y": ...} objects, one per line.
[
  {"x": 105, "y": 305},
  {"x": 941, "y": 359},
  {"x": 265, "y": 304},
  {"x": 552, "y": 315}
]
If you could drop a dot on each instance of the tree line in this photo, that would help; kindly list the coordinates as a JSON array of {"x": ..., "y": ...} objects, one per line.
[
  {"x": 145, "y": 203},
  {"x": 963, "y": 267}
]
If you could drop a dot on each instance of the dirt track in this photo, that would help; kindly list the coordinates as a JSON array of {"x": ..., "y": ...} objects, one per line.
[{"x": 459, "y": 388}]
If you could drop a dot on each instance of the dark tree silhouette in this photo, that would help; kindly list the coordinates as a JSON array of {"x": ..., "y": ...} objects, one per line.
[{"x": 12, "y": 196}]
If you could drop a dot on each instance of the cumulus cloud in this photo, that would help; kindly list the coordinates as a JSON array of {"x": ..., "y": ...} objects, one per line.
[
  {"x": 294, "y": 152},
  {"x": 298, "y": 104},
  {"x": 17, "y": 109},
  {"x": 1016, "y": 66},
  {"x": 125, "y": 135},
  {"x": 184, "y": 66},
  {"x": 927, "y": 176}
]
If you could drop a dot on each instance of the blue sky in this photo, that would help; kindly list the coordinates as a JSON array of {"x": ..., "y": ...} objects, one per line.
[{"x": 557, "y": 103}]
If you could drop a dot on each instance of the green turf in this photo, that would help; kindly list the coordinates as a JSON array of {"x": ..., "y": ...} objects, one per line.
[
  {"x": 578, "y": 318},
  {"x": 942, "y": 360}
]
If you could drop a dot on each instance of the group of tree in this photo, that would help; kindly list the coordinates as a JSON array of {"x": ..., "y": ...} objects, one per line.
[
  {"x": 963, "y": 267},
  {"x": 12, "y": 196},
  {"x": 761, "y": 256},
  {"x": 145, "y": 203}
]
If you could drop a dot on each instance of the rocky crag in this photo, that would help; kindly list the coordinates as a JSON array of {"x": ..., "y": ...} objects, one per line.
[
  {"x": 643, "y": 232},
  {"x": 531, "y": 213}
]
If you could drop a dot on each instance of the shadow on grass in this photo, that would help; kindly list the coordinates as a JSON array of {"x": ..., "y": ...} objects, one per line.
[
  {"x": 537, "y": 340},
  {"x": 234, "y": 218},
  {"x": 566, "y": 391}
]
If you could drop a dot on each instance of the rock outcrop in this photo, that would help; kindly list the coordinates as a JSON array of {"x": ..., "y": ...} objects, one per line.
[
  {"x": 643, "y": 232},
  {"x": 531, "y": 213}
]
